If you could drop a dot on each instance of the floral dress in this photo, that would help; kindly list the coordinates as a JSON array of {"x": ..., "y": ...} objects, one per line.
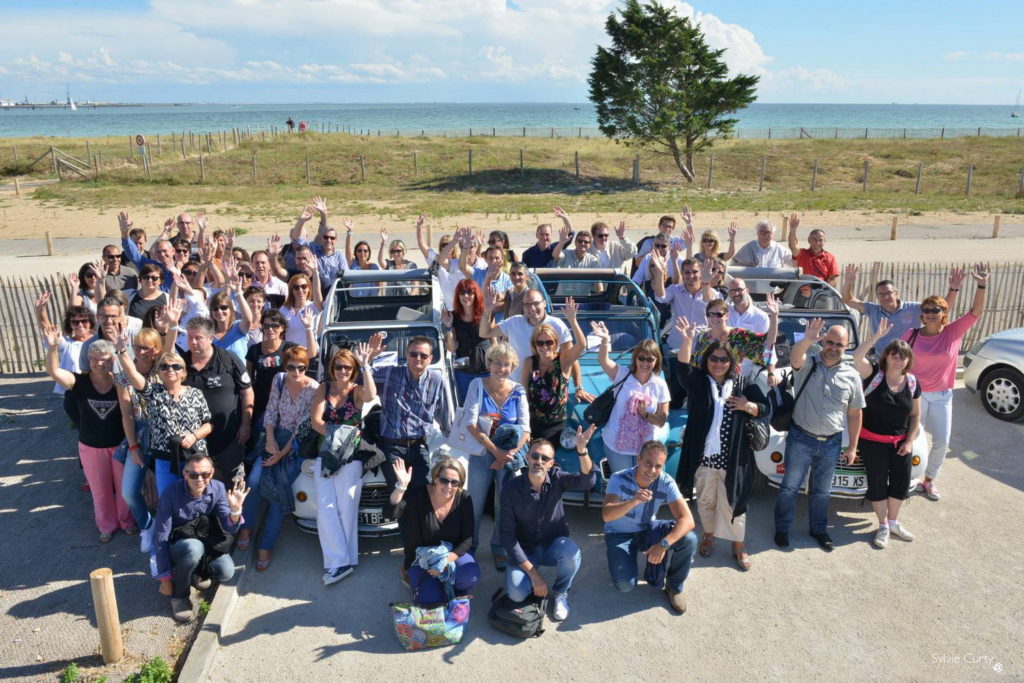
[
  {"x": 749, "y": 345},
  {"x": 548, "y": 395}
]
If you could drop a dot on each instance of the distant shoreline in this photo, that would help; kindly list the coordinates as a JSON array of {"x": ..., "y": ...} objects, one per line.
[{"x": 21, "y": 106}]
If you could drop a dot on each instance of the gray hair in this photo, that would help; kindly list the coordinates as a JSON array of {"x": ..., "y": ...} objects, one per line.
[
  {"x": 765, "y": 224},
  {"x": 201, "y": 322},
  {"x": 101, "y": 347}
]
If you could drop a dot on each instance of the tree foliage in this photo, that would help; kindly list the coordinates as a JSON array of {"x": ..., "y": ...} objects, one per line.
[{"x": 659, "y": 86}]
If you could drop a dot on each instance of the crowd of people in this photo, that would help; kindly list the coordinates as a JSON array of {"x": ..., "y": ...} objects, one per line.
[{"x": 189, "y": 357}]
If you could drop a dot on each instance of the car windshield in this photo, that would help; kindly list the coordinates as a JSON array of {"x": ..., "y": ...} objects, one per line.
[
  {"x": 595, "y": 293},
  {"x": 409, "y": 300},
  {"x": 395, "y": 342},
  {"x": 800, "y": 294},
  {"x": 791, "y": 330}
]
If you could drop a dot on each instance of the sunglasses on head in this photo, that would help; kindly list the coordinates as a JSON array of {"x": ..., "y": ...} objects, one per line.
[
  {"x": 450, "y": 482},
  {"x": 936, "y": 309},
  {"x": 543, "y": 458},
  {"x": 544, "y": 342},
  {"x": 164, "y": 367},
  {"x": 198, "y": 475},
  {"x": 295, "y": 368}
]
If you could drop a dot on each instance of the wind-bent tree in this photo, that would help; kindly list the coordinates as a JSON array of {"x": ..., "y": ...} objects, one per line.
[{"x": 660, "y": 87}]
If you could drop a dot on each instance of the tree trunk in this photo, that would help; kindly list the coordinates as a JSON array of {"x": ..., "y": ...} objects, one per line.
[{"x": 684, "y": 166}]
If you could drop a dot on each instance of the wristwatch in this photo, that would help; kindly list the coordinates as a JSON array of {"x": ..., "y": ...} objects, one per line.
[{"x": 664, "y": 543}]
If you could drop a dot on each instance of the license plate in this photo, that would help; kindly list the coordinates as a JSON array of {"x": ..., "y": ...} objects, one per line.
[
  {"x": 371, "y": 517},
  {"x": 848, "y": 481}
]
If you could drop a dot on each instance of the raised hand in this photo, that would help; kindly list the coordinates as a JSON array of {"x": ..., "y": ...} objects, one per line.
[
  {"x": 705, "y": 270},
  {"x": 168, "y": 226},
  {"x": 564, "y": 233},
  {"x": 815, "y": 330},
  {"x": 383, "y": 235},
  {"x": 571, "y": 308},
  {"x": 583, "y": 437},
  {"x": 446, "y": 317},
  {"x": 306, "y": 316},
  {"x": 657, "y": 263},
  {"x": 491, "y": 298},
  {"x": 124, "y": 222},
  {"x": 403, "y": 474},
  {"x": 73, "y": 281},
  {"x": 237, "y": 494},
  {"x": 201, "y": 220},
  {"x": 850, "y": 273},
  {"x": 794, "y": 221},
  {"x": 181, "y": 282},
  {"x": 349, "y": 225},
  {"x": 771, "y": 304},
  {"x": 121, "y": 342},
  {"x": 274, "y": 246},
  {"x": 980, "y": 274},
  {"x": 620, "y": 231},
  {"x": 687, "y": 330},
  {"x": 687, "y": 215},
  {"x": 51, "y": 335},
  {"x": 420, "y": 220},
  {"x": 173, "y": 311},
  {"x": 560, "y": 213},
  {"x": 376, "y": 346},
  {"x": 733, "y": 230},
  {"x": 956, "y": 277},
  {"x": 600, "y": 330},
  {"x": 42, "y": 299},
  {"x": 230, "y": 239},
  {"x": 306, "y": 214},
  {"x": 688, "y": 234},
  {"x": 884, "y": 327},
  {"x": 320, "y": 206}
]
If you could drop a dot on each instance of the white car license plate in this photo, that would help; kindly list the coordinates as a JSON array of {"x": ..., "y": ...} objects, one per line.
[
  {"x": 371, "y": 517},
  {"x": 848, "y": 481}
]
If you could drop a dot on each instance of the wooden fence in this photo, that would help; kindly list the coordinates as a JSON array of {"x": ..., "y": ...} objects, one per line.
[{"x": 21, "y": 349}]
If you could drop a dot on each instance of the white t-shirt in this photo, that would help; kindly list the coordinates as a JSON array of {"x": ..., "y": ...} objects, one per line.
[
  {"x": 69, "y": 352},
  {"x": 296, "y": 331},
  {"x": 655, "y": 388},
  {"x": 518, "y": 331}
]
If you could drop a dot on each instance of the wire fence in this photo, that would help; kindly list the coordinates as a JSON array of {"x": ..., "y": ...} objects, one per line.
[{"x": 21, "y": 349}]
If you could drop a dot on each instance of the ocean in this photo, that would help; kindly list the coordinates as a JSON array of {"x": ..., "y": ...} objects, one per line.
[{"x": 503, "y": 119}]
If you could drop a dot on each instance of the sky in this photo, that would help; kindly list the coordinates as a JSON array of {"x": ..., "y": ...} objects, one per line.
[{"x": 283, "y": 51}]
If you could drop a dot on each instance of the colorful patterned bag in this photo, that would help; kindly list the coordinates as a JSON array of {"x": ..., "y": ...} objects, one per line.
[{"x": 419, "y": 628}]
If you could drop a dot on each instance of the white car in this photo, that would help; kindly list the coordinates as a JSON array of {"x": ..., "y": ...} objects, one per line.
[{"x": 994, "y": 369}]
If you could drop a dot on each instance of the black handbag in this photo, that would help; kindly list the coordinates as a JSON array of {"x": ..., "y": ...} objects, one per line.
[
  {"x": 783, "y": 401},
  {"x": 600, "y": 410},
  {"x": 755, "y": 428},
  {"x": 520, "y": 619}
]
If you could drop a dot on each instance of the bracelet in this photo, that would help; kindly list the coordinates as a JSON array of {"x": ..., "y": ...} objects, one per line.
[
  {"x": 583, "y": 454},
  {"x": 236, "y": 513},
  {"x": 982, "y": 286},
  {"x": 134, "y": 448},
  {"x": 401, "y": 488}
]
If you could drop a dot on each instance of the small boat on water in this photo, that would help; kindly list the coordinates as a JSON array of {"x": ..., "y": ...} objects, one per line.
[{"x": 1016, "y": 108}]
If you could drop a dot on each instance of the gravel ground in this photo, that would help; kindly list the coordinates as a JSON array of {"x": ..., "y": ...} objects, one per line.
[
  {"x": 946, "y": 607},
  {"x": 50, "y": 544}
]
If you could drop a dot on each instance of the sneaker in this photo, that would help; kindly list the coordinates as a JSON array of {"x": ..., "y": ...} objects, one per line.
[
  {"x": 930, "y": 489},
  {"x": 881, "y": 538},
  {"x": 200, "y": 583},
  {"x": 131, "y": 531},
  {"x": 106, "y": 538},
  {"x": 337, "y": 574},
  {"x": 146, "y": 538},
  {"x": 181, "y": 609},
  {"x": 676, "y": 600},
  {"x": 561, "y": 610},
  {"x": 899, "y": 531}
]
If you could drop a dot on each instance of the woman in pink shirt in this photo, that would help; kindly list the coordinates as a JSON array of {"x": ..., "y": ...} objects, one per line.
[{"x": 936, "y": 345}]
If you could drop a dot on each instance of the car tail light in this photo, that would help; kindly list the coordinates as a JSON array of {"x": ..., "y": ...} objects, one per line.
[
  {"x": 916, "y": 460},
  {"x": 301, "y": 496},
  {"x": 776, "y": 456}
]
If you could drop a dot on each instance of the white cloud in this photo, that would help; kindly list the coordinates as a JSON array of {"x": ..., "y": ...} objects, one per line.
[
  {"x": 813, "y": 80},
  {"x": 1005, "y": 56},
  {"x": 956, "y": 55}
]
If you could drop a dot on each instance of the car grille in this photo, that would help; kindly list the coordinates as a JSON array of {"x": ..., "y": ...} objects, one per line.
[{"x": 373, "y": 497}]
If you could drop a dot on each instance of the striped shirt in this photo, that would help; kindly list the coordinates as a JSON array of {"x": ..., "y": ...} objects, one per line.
[{"x": 408, "y": 406}]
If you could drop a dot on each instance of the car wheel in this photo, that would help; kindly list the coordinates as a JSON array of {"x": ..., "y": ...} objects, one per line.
[{"x": 1002, "y": 394}]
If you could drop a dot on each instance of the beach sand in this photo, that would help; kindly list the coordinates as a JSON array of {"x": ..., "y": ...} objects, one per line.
[{"x": 853, "y": 236}]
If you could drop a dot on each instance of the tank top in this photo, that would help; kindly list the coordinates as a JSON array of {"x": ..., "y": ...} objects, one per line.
[{"x": 548, "y": 393}]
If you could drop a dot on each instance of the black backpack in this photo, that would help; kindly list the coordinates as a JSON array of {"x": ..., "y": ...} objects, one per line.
[{"x": 520, "y": 619}]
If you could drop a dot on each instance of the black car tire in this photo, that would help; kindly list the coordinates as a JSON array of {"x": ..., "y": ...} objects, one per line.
[{"x": 1002, "y": 394}]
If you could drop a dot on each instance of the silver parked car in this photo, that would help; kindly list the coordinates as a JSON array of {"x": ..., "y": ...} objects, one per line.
[{"x": 994, "y": 369}]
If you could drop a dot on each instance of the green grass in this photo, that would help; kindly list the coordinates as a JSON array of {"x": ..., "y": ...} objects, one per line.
[{"x": 443, "y": 186}]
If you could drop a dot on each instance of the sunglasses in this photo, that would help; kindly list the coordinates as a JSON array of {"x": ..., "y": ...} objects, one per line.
[
  {"x": 140, "y": 349},
  {"x": 418, "y": 355},
  {"x": 932, "y": 310},
  {"x": 299, "y": 287},
  {"x": 88, "y": 275},
  {"x": 81, "y": 321},
  {"x": 295, "y": 368},
  {"x": 220, "y": 308},
  {"x": 708, "y": 240},
  {"x": 245, "y": 274},
  {"x": 198, "y": 475},
  {"x": 450, "y": 482},
  {"x": 362, "y": 251},
  {"x": 329, "y": 238},
  {"x": 153, "y": 278},
  {"x": 189, "y": 273},
  {"x": 645, "y": 359},
  {"x": 601, "y": 236},
  {"x": 582, "y": 241},
  {"x": 719, "y": 359},
  {"x": 112, "y": 256},
  {"x": 542, "y": 458},
  {"x": 716, "y": 314},
  {"x": 183, "y": 251},
  {"x": 338, "y": 367},
  {"x": 661, "y": 246},
  {"x": 544, "y": 342},
  {"x": 691, "y": 272},
  {"x": 164, "y": 367},
  {"x": 396, "y": 251},
  {"x": 737, "y": 290},
  {"x": 271, "y": 326}
]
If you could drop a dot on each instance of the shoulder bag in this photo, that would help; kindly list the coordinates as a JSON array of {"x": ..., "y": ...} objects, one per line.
[
  {"x": 600, "y": 411},
  {"x": 783, "y": 400}
]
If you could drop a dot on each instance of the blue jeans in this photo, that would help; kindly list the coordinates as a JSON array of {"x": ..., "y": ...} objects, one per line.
[
  {"x": 164, "y": 476},
  {"x": 275, "y": 513},
  {"x": 804, "y": 452},
  {"x": 251, "y": 506},
  {"x": 427, "y": 590},
  {"x": 562, "y": 553},
  {"x": 624, "y": 548},
  {"x": 135, "y": 475},
  {"x": 185, "y": 557},
  {"x": 481, "y": 475}
]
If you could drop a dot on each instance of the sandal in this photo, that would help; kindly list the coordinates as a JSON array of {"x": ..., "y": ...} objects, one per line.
[
  {"x": 243, "y": 542},
  {"x": 707, "y": 544},
  {"x": 742, "y": 558},
  {"x": 262, "y": 564},
  {"x": 106, "y": 538}
]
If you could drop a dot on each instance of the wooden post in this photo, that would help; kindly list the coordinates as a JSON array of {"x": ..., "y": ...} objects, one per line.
[
  {"x": 145, "y": 163},
  {"x": 552, "y": 133},
  {"x": 892, "y": 229},
  {"x": 524, "y": 131},
  {"x": 577, "y": 155},
  {"x": 253, "y": 169},
  {"x": 784, "y": 234},
  {"x": 15, "y": 150},
  {"x": 49, "y": 244},
  {"x": 760, "y": 183},
  {"x": 183, "y": 157},
  {"x": 470, "y": 161},
  {"x": 711, "y": 169},
  {"x": 470, "y": 132},
  {"x": 53, "y": 160},
  {"x": 96, "y": 167},
  {"x": 362, "y": 168},
  {"x": 522, "y": 168},
  {"x": 307, "y": 170},
  {"x": 108, "y": 621},
  {"x": 970, "y": 177},
  {"x": 866, "y": 165},
  {"x": 430, "y": 234},
  {"x": 917, "y": 184},
  {"x": 636, "y": 169},
  {"x": 17, "y": 188},
  {"x": 1020, "y": 185},
  {"x": 415, "y": 165},
  {"x": 159, "y": 147},
  {"x": 202, "y": 169},
  {"x": 60, "y": 174},
  {"x": 131, "y": 148},
  {"x": 814, "y": 176},
  {"x": 88, "y": 150},
  {"x": 494, "y": 132},
  {"x": 995, "y": 226}
]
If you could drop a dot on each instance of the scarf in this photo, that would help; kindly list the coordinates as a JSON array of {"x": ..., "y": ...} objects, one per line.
[{"x": 713, "y": 441}]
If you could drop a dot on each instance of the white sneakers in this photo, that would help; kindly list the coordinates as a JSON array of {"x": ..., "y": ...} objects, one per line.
[
  {"x": 881, "y": 538},
  {"x": 561, "y": 610},
  {"x": 146, "y": 537},
  {"x": 899, "y": 531},
  {"x": 883, "y": 534}
]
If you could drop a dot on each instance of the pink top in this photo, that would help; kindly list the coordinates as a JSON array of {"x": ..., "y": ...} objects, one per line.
[{"x": 935, "y": 357}]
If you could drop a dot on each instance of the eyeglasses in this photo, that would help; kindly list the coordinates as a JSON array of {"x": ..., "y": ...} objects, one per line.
[
  {"x": 198, "y": 475},
  {"x": 140, "y": 349},
  {"x": 645, "y": 359},
  {"x": 418, "y": 355},
  {"x": 583, "y": 242},
  {"x": 220, "y": 308},
  {"x": 601, "y": 236},
  {"x": 736, "y": 290},
  {"x": 544, "y": 342},
  {"x": 152, "y": 278},
  {"x": 886, "y": 292},
  {"x": 164, "y": 367},
  {"x": 245, "y": 274},
  {"x": 449, "y": 482},
  {"x": 295, "y": 368},
  {"x": 189, "y": 273},
  {"x": 719, "y": 359},
  {"x": 184, "y": 222},
  {"x": 716, "y": 314},
  {"x": 183, "y": 251},
  {"x": 691, "y": 272},
  {"x": 111, "y": 256},
  {"x": 271, "y": 326},
  {"x": 362, "y": 251},
  {"x": 932, "y": 310},
  {"x": 708, "y": 240},
  {"x": 81, "y": 321},
  {"x": 338, "y": 367},
  {"x": 533, "y": 303},
  {"x": 329, "y": 238},
  {"x": 542, "y": 458},
  {"x": 298, "y": 287}
]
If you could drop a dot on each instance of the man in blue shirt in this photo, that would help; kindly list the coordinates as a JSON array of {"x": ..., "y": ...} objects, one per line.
[
  {"x": 533, "y": 527},
  {"x": 545, "y": 252},
  {"x": 631, "y": 504},
  {"x": 197, "y": 495}
]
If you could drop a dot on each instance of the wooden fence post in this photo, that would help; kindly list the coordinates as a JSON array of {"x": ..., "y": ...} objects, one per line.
[
  {"x": 253, "y": 169},
  {"x": 784, "y": 235},
  {"x": 362, "y": 168},
  {"x": 711, "y": 169},
  {"x": 104, "y": 601},
  {"x": 577, "y": 155},
  {"x": 970, "y": 177},
  {"x": 892, "y": 229},
  {"x": 307, "y": 169},
  {"x": 995, "y": 226},
  {"x": 522, "y": 169},
  {"x": 1020, "y": 185},
  {"x": 202, "y": 168},
  {"x": 866, "y": 166},
  {"x": 524, "y": 131},
  {"x": 917, "y": 184},
  {"x": 53, "y": 160},
  {"x": 183, "y": 157},
  {"x": 471, "y": 161},
  {"x": 49, "y": 244},
  {"x": 131, "y": 148},
  {"x": 415, "y": 165},
  {"x": 15, "y": 150},
  {"x": 636, "y": 169},
  {"x": 760, "y": 182},
  {"x": 17, "y": 188},
  {"x": 145, "y": 163},
  {"x": 96, "y": 167},
  {"x": 159, "y": 147},
  {"x": 88, "y": 150},
  {"x": 814, "y": 176}
]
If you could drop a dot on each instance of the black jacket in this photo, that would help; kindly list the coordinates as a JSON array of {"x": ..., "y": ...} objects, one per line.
[{"x": 740, "y": 466}]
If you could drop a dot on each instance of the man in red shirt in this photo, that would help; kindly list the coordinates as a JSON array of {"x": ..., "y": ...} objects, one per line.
[{"x": 814, "y": 261}]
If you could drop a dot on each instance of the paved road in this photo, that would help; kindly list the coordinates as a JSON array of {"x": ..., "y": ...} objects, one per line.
[
  {"x": 948, "y": 606},
  {"x": 49, "y": 546}
]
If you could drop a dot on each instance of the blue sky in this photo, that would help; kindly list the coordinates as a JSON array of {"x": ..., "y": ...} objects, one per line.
[{"x": 491, "y": 50}]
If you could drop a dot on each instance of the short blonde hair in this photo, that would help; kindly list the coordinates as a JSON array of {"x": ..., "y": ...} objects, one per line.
[
  {"x": 171, "y": 357},
  {"x": 447, "y": 462},
  {"x": 502, "y": 352}
]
